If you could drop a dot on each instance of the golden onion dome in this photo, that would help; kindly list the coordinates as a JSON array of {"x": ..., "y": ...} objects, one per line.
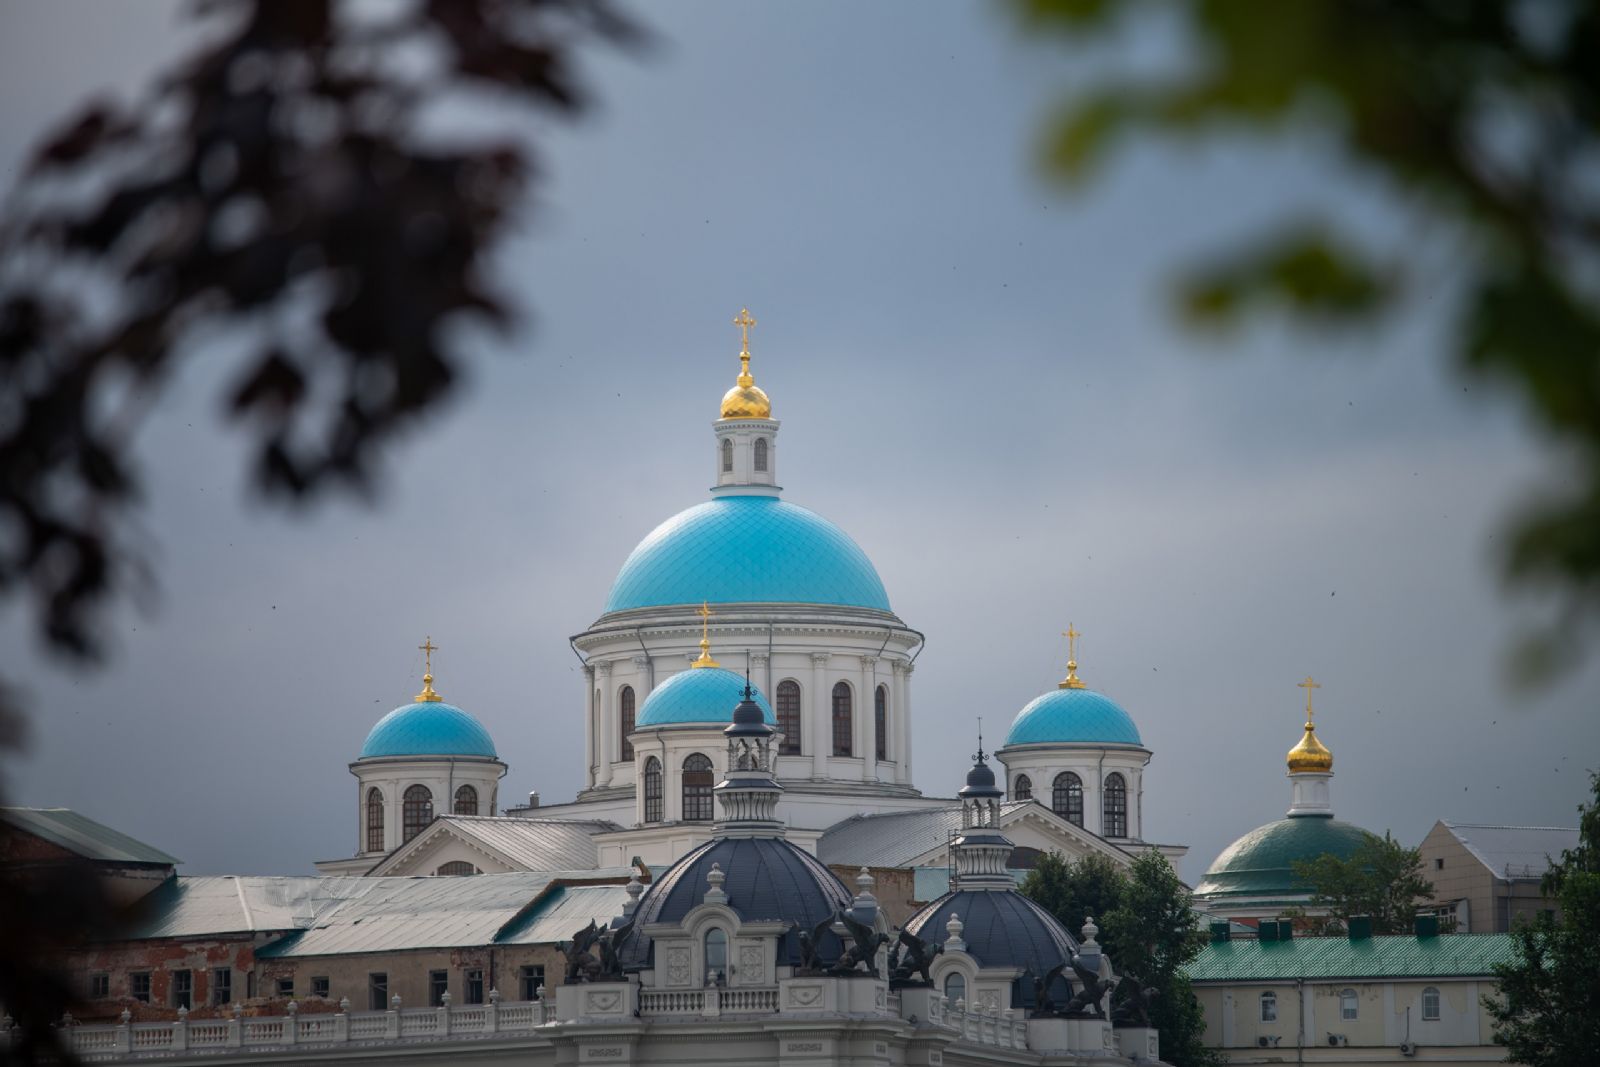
[
  {"x": 1310, "y": 754},
  {"x": 745, "y": 400}
]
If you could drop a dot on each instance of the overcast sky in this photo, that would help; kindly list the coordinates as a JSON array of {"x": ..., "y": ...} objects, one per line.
[{"x": 978, "y": 379}]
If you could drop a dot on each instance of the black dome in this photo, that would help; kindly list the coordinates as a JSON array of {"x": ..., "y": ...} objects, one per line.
[
  {"x": 980, "y": 781},
  {"x": 1002, "y": 929},
  {"x": 766, "y": 878}
]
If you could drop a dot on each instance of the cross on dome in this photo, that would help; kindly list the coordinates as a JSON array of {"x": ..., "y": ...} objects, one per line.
[
  {"x": 1310, "y": 755},
  {"x": 1308, "y": 685},
  {"x": 1071, "y": 681},
  {"x": 705, "y": 613},
  {"x": 427, "y": 696},
  {"x": 744, "y": 400}
]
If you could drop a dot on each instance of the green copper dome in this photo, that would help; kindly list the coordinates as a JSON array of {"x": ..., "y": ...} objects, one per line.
[{"x": 1261, "y": 863}]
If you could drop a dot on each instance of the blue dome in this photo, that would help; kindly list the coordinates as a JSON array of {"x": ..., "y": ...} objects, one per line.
[
  {"x": 429, "y": 728},
  {"x": 747, "y": 550},
  {"x": 699, "y": 694},
  {"x": 1073, "y": 715},
  {"x": 1002, "y": 929},
  {"x": 766, "y": 878}
]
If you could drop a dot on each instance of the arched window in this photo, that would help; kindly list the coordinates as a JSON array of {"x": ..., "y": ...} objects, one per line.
[
  {"x": 625, "y": 720},
  {"x": 880, "y": 720},
  {"x": 727, "y": 455},
  {"x": 466, "y": 801},
  {"x": 416, "y": 810},
  {"x": 955, "y": 988},
  {"x": 1066, "y": 797},
  {"x": 1114, "y": 807},
  {"x": 374, "y": 820},
  {"x": 652, "y": 790},
  {"x": 698, "y": 778},
  {"x": 1349, "y": 1007},
  {"x": 1023, "y": 790},
  {"x": 761, "y": 454},
  {"x": 1269, "y": 1007},
  {"x": 789, "y": 716},
  {"x": 843, "y": 726},
  {"x": 716, "y": 956},
  {"x": 456, "y": 868},
  {"x": 1430, "y": 1004}
]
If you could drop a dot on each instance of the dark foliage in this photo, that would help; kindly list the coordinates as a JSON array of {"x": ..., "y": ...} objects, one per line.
[{"x": 1381, "y": 879}]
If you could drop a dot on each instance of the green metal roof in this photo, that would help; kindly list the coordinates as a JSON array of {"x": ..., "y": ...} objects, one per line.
[
  {"x": 82, "y": 835},
  {"x": 1396, "y": 956},
  {"x": 1262, "y": 861}
]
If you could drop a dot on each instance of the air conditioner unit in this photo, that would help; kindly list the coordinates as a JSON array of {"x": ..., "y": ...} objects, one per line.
[
  {"x": 1408, "y": 1048},
  {"x": 1268, "y": 1041},
  {"x": 1338, "y": 1040}
]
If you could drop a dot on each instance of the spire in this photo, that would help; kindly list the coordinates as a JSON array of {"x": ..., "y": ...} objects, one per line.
[
  {"x": 427, "y": 696},
  {"x": 1310, "y": 755},
  {"x": 1071, "y": 681},
  {"x": 705, "y": 659},
  {"x": 980, "y": 852},
  {"x": 1310, "y": 768},
  {"x": 745, "y": 400},
  {"x": 747, "y": 796}
]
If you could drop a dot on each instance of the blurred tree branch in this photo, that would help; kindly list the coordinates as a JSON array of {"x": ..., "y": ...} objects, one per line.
[
  {"x": 1480, "y": 114},
  {"x": 296, "y": 197}
]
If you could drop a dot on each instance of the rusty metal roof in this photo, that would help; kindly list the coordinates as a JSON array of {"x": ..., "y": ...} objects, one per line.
[{"x": 80, "y": 834}]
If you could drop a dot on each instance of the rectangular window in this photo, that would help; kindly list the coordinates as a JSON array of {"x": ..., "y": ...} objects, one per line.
[
  {"x": 1438, "y": 863},
  {"x": 99, "y": 986},
  {"x": 183, "y": 989},
  {"x": 319, "y": 987},
  {"x": 222, "y": 985},
  {"x": 438, "y": 986},
  {"x": 475, "y": 986},
  {"x": 532, "y": 980},
  {"x": 286, "y": 987},
  {"x": 1269, "y": 1007},
  {"x": 1430, "y": 1004},
  {"x": 378, "y": 991},
  {"x": 139, "y": 986},
  {"x": 250, "y": 985}
]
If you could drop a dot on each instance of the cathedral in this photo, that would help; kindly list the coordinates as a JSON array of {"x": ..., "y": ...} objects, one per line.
[{"x": 830, "y": 664}]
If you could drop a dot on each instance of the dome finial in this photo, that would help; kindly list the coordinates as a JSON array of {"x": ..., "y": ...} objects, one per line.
[
  {"x": 427, "y": 696},
  {"x": 980, "y": 756},
  {"x": 745, "y": 400},
  {"x": 705, "y": 659},
  {"x": 1310, "y": 754},
  {"x": 1071, "y": 681}
]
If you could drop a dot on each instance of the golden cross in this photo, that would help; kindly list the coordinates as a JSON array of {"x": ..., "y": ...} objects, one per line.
[
  {"x": 744, "y": 321},
  {"x": 428, "y": 648},
  {"x": 1072, "y": 636},
  {"x": 1308, "y": 685}
]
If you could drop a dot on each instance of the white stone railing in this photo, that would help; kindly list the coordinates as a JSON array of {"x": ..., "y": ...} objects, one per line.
[
  {"x": 710, "y": 1001},
  {"x": 996, "y": 1027},
  {"x": 129, "y": 1039}
]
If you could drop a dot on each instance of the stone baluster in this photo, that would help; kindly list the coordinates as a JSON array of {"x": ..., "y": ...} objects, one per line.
[
  {"x": 124, "y": 1038},
  {"x": 491, "y": 1014},
  {"x": 392, "y": 1027},
  {"x": 291, "y": 1025},
  {"x": 236, "y": 1027},
  {"x": 444, "y": 1014},
  {"x": 180, "y": 1031},
  {"x": 341, "y": 1021}
]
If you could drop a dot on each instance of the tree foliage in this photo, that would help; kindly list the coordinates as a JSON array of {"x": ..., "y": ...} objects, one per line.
[
  {"x": 1382, "y": 879},
  {"x": 1147, "y": 927},
  {"x": 1548, "y": 1010},
  {"x": 1480, "y": 119}
]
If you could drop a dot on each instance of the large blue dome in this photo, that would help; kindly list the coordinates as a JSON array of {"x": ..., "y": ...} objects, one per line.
[
  {"x": 1073, "y": 715},
  {"x": 428, "y": 728},
  {"x": 699, "y": 694},
  {"x": 747, "y": 550},
  {"x": 1002, "y": 929}
]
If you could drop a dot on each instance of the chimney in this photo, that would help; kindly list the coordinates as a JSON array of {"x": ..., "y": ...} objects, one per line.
[
  {"x": 533, "y": 798},
  {"x": 1219, "y": 932},
  {"x": 1427, "y": 926},
  {"x": 1360, "y": 927}
]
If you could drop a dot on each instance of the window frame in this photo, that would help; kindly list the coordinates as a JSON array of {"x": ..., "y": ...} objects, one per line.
[
  {"x": 472, "y": 985},
  {"x": 438, "y": 986},
  {"x": 442, "y": 872},
  {"x": 416, "y": 811},
  {"x": 789, "y": 703},
  {"x": 1438, "y": 1003},
  {"x": 727, "y": 455},
  {"x": 698, "y": 803},
  {"x": 457, "y": 802},
  {"x": 221, "y": 986},
  {"x": 654, "y": 791},
  {"x": 100, "y": 986},
  {"x": 627, "y": 711},
  {"x": 1269, "y": 1007},
  {"x": 135, "y": 980},
  {"x": 530, "y": 979},
  {"x": 1114, "y": 806},
  {"x": 880, "y": 722},
  {"x": 761, "y": 451},
  {"x": 843, "y": 716},
  {"x": 959, "y": 994},
  {"x": 1349, "y": 1005},
  {"x": 284, "y": 987},
  {"x": 1066, "y": 797},
  {"x": 716, "y": 973},
  {"x": 320, "y": 986},
  {"x": 375, "y": 819},
  {"x": 181, "y": 990},
  {"x": 378, "y": 990},
  {"x": 1022, "y": 789}
]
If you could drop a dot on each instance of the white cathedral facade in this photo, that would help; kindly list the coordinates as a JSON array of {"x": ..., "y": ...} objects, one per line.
[{"x": 831, "y": 664}]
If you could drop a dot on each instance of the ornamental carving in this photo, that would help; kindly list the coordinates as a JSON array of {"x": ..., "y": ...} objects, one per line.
[
  {"x": 678, "y": 966},
  {"x": 752, "y": 965},
  {"x": 602, "y": 1002},
  {"x": 806, "y": 996}
]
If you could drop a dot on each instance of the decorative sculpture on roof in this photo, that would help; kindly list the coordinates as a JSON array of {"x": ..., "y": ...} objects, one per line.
[
  {"x": 1092, "y": 988},
  {"x": 610, "y": 959},
  {"x": 864, "y": 945},
  {"x": 811, "y": 947},
  {"x": 1044, "y": 1006},
  {"x": 1130, "y": 1002},
  {"x": 581, "y": 964},
  {"x": 917, "y": 959}
]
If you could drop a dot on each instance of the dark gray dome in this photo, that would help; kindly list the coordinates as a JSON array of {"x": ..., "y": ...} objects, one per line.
[
  {"x": 1002, "y": 929},
  {"x": 766, "y": 878},
  {"x": 980, "y": 782}
]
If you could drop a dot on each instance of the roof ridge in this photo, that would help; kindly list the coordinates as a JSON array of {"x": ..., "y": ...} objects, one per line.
[{"x": 1503, "y": 826}]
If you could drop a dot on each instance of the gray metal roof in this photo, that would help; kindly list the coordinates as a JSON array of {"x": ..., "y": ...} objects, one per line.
[
  {"x": 210, "y": 905},
  {"x": 532, "y": 844},
  {"x": 895, "y": 839},
  {"x": 1515, "y": 851},
  {"x": 564, "y": 910},
  {"x": 426, "y": 912},
  {"x": 82, "y": 835}
]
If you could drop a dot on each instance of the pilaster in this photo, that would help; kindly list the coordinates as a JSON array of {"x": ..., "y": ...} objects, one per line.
[
  {"x": 821, "y": 715},
  {"x": 607, "y": 747}
]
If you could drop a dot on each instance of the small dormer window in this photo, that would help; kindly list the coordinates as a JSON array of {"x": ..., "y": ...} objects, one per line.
[
  {"x": 955, "y": 988},
  {"x": 716, "y": 956},
  {"x": 727, "y": 456},
  {"x": 761, "y": 454}
]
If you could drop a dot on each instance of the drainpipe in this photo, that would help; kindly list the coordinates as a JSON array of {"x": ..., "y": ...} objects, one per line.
[
  {"x": 649, "y": 660},
  {"x": 1300, "y": 1014}
]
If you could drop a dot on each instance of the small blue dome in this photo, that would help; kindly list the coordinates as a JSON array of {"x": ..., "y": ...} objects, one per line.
[
  {"x": 699, "y": 694},
  {"x": 747, "y": 550},
  {"x": 1073, "y": 715},
  {"x": 1002, "y": 929},
  {"x": 428, "y": 728}
]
